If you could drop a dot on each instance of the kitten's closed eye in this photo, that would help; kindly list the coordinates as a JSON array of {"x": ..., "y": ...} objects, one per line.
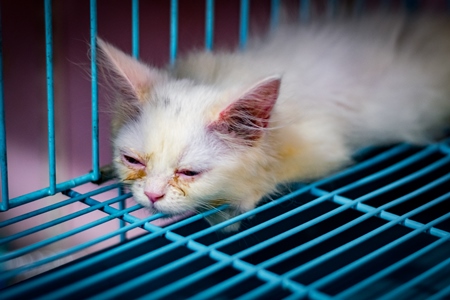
[
  {"x": 188, "y": 173},
  {"x": 132, "y": 161}
]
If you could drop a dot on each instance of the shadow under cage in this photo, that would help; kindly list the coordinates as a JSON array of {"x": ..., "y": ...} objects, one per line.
[{"x": 378, "y": 229}]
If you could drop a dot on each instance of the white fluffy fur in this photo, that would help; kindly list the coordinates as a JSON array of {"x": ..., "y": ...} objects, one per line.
[{"x": 344, "y": 85}]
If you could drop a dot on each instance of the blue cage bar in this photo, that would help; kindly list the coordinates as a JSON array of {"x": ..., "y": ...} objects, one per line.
[{"x": 4, "y": 204}]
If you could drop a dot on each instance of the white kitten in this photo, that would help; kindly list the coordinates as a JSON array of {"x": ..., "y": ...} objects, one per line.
[{"x": 228, "y": 127}]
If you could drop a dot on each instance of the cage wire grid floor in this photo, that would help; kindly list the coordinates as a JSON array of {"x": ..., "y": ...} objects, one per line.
[{"x": 377, "y": 229}]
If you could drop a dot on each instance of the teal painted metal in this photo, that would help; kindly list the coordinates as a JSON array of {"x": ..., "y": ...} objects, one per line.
[
  {"x": 4, "y": 202},
  {"x": 50, "y": 97},
  {"x": 52, "y": 207},
  {"x": 234, "y": 255},
  {"x": 60, "y": 187},
  {"x": 274, "y": 14},
  {"x": 94, "y": 92},
  {"x": 243, "y": 23},
  {"x": 55, "y": 187},
  {"x": 135, "y": 52},
  {"x": 282, "y": 243},
  {"x": 378, "y": 229},
  {"x": 135, "y": 28},
  {"x": 209, "y": 25},
  {"x": 173, "y": 31},
  {"x": 122, "y": 206}
]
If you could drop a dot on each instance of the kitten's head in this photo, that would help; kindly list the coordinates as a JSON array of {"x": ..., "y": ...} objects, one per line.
[{"x": 182, "y": 146}]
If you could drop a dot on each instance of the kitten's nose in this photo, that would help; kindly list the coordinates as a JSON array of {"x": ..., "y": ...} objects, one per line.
[{"x": 154, "y": 196}]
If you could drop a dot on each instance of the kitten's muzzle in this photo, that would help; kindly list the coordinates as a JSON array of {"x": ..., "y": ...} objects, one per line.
[{"x": 153, "y": 197}]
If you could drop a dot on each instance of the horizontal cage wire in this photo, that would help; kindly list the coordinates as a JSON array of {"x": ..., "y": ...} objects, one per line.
[{"x": 377, "y": 229}]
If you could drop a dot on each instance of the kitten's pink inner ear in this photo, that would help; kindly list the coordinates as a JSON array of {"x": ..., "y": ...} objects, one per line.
[
  {"x": 126, "y": 74},
  {"x": 246, "y": 118}
]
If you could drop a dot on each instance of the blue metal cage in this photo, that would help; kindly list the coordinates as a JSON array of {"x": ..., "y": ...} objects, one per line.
[{"x": 379, "y": 229}]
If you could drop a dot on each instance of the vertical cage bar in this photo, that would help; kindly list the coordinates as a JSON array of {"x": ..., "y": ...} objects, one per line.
[
  {"x": 50, "y": 97},
  {"x": 305, "y": 10},
  {"x": 209, "y": 25},
  {"x": 135, "y": 28},
  {"x": 135, "y": 52},
  {"x": 4, "y": 202},
  {"x": 243, "y": 28},
  {"x": 173, "y": 31},
  {"x": 274, "y": 14},
  {"x": 122, "y": 206},
  {"x": 94, "y": 91}
]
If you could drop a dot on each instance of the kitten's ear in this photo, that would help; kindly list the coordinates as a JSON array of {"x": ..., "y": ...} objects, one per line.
[
  {"x": 246, "y": 118},
  {"x": 129, "y": 77}
]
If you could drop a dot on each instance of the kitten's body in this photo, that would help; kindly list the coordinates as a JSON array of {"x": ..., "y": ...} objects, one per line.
[{"x": 344, "y": 85}]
